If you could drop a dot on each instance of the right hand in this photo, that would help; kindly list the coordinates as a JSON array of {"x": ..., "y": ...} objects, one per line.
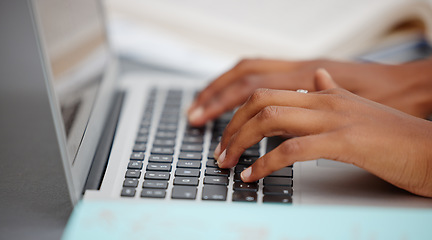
[
  {"x": 404, "y": 87},
  {"x": 333, "y": 124}
]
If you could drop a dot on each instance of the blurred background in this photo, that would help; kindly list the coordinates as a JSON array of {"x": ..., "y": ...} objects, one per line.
[{"x": 207, "y": 37}]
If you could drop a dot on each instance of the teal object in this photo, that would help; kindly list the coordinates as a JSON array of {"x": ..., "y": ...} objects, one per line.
[{"x": 222, "y": 221}]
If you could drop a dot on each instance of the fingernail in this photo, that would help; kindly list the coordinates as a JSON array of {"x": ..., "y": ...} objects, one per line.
[
  {"x": 221, "y": 158},
  {"x": 217, "y": 151},
  {"x": 196, "y": 114},
  {"x": 246, "y": 174},
  {"x": 191, "y": 107}
]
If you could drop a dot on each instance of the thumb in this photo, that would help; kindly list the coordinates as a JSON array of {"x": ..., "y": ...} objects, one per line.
[{"x": 323, "y": 80}]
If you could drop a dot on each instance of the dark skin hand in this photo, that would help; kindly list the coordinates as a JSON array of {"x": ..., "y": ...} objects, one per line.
[
  {"x": 405, "y": 87},
  {"x": 331, "y": 123}
]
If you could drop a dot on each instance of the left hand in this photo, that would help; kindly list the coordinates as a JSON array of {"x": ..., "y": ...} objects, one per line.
[{"x": 332, "y": 124}]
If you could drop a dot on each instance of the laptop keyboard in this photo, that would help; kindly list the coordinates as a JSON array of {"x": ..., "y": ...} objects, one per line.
[{"x": 160, "y": 169}]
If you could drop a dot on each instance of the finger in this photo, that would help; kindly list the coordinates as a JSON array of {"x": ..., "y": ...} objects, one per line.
[
  {"x": 243, "y": 68},
  {"x": 259, "y": 100},
  {"x": 300, "y": 79},
  {"x": 237, "y": 72},
  {"x": 273, "y": 121},
  {"x": 233, "y": 96},
  {"x": 295, "y": 150},
  {"x": 323, "y": 80}
]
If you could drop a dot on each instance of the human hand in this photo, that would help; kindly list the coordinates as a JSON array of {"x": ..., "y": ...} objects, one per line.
[
  {"x": 405, "y": 87},
  {"x": 332, "y": 124}
]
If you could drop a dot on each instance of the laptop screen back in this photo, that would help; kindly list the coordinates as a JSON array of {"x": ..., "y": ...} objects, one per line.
[{"x": 73, "y": 37}]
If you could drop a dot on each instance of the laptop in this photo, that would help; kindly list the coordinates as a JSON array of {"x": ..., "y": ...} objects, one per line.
[{"x": 126, "y": 138}]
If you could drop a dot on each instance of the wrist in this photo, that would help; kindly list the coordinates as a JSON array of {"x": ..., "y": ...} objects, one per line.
[{"x": 421, "y": 160}]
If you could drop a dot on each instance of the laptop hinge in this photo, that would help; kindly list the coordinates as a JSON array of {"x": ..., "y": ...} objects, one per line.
[{"x": 100, "y": 160}]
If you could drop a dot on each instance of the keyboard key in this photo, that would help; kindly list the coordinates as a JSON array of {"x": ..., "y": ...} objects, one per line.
[
  {"x": 130, "y": 182},
  {"x": 193, "y": 139},
  {"x": 226, "y": 117},
  {"x": 128, "y": 192},
  {"x": 277, "y": 181},
  {"x": 210, "y": 155},
  {"x": 135, "y": 165},
  {"x": 157, "y": 175},
  {"x": 214, "y": 192},
  {"x": 212, "y": 163},
  {"x": 146, "y": 117},
  {"x": 251, "y": 153},
  {"x": 169, "y": 120},
  {"x": 215, "y": 180},
  {"x": 164, "y": 167},
  {"x": 277, "y": 190},
  {"x": 133, "y": 173},
  {"x": 217, "y": 172},
  {"x": 148, "y": 111},
  {"x": 172, "y": 103},
  {"x": 244, "y": 196},
  {"x": 277, "y": 198},
  {"x": 162, "y": 150},
  {"x": 190, "y": 156},
  {"x": 213, "y": 146},
  {"x": 141, "y": 139},
  {"x": 155, "y": 184},
  {"x": 184, "y": 192},
  {"x": 218, "y": 132},
  {"x": 143, "y": 131},
  {"x": 167, "y": 127},
  {"x": 240, "y": 168},
  {"x": 184, "y": 172},
  {"x": 241, "y": 186},
  {"x": 166, "y": 135},
  {"x": 189, "y": 181},
  {"x": 137, "y": 156},
  {"x": 175, "y": 93},
  {"x": 189, "y": 164},
  {"x": 170, "y": 113},
  {"x": 139, "y": 147},
  {"x": 172, "y": 106},
  {"x": 247, "y": 161},
  {"x": 145, "y": 123},
  {"x": 153, "y": 193},
  {"x": 219, "y": 126},
  {"x": 192, "y": 131},
  {"x": 237, "y": 178},
  {"x": 284, "y": 172},
  {"x": 191, "y": 148},
  {"x": 161, "y": 158},
  {"x": 164, "y": 143}
]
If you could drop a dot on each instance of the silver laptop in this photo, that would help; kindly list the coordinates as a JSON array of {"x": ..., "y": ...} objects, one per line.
[{"x": 126, "y": 137}]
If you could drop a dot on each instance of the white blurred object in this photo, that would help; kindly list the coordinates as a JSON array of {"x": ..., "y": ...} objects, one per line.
[
  {"x": 158, "y": 48},
  {"x": 285, "y": 29}
]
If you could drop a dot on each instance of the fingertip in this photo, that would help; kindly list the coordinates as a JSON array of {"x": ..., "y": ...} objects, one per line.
[
  {"x": 323, "y": 80},
  {"x": 245, "y": 175},
  {"x": 196, "y": 115},
  {"x": 221, "y": 158},
  {"x": 217, "y": 151},
  {"x": 323, "y": 73},
  {"x": 191, "y": 108}
]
